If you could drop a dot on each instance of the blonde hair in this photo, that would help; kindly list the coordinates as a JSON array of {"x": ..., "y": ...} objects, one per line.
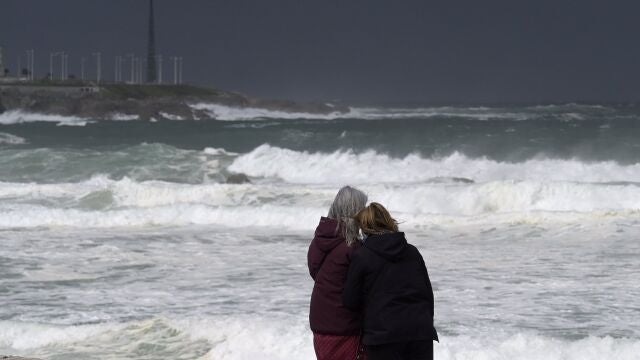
[{"x": 375, "y": 219}]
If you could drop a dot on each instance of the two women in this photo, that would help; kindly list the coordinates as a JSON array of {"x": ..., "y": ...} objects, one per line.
[{"x": 373, "y": 291}]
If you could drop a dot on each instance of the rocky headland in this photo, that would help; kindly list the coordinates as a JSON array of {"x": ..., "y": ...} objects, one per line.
[{"x": 146, "y": 102}]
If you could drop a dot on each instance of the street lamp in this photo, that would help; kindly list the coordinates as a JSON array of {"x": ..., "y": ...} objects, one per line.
[
  {"x": 159, "y": 69},
  {"x": 98, "y": 56},
  {"x": 82, "y": 61},
  {"x": 51, "y": 56},
  {"x": 132, "y": 56},
  {"x": 30, "y": 64}
]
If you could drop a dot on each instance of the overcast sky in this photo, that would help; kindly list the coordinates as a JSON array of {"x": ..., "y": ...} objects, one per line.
[{"x": 365, "y": 51}]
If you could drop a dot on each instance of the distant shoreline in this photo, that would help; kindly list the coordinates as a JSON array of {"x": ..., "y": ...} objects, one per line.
[{"x": 145, "y": 102}]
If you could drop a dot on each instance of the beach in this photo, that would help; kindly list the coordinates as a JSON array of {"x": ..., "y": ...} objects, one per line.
[{"x": 187, "y": 239}]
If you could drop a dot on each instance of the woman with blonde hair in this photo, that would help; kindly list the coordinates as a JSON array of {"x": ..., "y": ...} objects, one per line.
[
  {"x": 388, "y": 281},
  {"x": 336, "y": 329}
]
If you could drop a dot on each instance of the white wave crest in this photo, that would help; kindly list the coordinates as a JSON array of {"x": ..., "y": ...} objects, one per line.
[
  {"x": 219, "y": 151},
  {"x": 535, "y": 347},
  {"x": 10, "y": 139},
  {"x": 104, "y": 341},
  {"x": 123, "y": 117},
  {"x": 475, "y": 113},
  {"x": 369, "y": 167},
  {"x": 228, "y": 113},
  {"x": 19, "y": 117},
  {"x": 171, "y": 116},
  {"x": 282, "y": 338},
  {"x": 104, "y": 203},
  {"x": 23, "y": 336}
]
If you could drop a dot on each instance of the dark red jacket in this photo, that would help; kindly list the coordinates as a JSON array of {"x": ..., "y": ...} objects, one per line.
[{"x": 328, "y": 259}]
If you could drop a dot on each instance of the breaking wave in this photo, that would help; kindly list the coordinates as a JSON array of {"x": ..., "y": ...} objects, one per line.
[
  {"x": 19, "y": 117},
  {"x": 228, "y": 113},
  {"x": 289, "y": 189},
  {"x": 103, "y": 203},
  {"x": 347, "y": 166},
  {"x": 123, "y": 117},
  {"x": 231, "y": 113},
  {"x": 271, "y": 339},
  {"x": 9, "y": 139}
]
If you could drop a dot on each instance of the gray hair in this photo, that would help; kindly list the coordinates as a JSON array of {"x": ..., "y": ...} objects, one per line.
[{"x": 348, "y": 202}]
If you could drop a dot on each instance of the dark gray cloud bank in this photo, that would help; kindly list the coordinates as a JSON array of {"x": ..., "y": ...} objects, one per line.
[{"x": 369, "y": 51}]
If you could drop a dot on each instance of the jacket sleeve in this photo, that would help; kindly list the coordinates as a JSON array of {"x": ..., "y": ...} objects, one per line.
[
  {"x": 352, "y": 296},
  {"x": 315, "y": 257},
  {"x": 429, "y": 288}
]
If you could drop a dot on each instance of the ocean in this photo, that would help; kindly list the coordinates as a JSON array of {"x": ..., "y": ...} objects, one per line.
[{"x": 125, "y": 239}]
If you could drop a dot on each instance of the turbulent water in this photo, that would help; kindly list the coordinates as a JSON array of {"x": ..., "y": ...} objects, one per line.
[{"x": 126, "y": 239}]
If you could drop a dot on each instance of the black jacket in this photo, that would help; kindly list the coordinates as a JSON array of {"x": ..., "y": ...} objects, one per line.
[{"x": 388, "y": 279}]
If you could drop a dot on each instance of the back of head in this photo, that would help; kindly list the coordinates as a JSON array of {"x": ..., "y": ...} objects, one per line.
[
  {"x": 348, "y": 202},
  {"x": 375, "y": 219}
]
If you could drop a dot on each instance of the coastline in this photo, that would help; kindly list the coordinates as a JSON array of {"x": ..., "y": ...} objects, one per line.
[{"x": 145, "y": 102}]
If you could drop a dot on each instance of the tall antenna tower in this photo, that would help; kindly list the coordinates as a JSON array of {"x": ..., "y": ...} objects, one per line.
[{"x": 152, "y": 73}]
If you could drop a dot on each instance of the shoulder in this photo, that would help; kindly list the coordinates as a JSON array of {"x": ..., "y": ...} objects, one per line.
[
  {"x": 414, "y": 251},
  {"x": 361, "y": 255},
  {"x": 412, "y": 248},
  {"x": 355, "y": 251}
]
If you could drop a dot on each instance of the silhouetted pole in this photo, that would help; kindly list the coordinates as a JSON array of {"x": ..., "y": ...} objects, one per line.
[
  {"x": 132, "y": 56},
  {"x": 30, "y": 64},
  {"x": 151, "y": 48},
  {"x": 82, "y": 61},
  {"x": 51, "y": 56},
  {"x": 139, "y": 63},
  {"x": 120, "y": 68},
  {"x": 66, "y": 66},
  {"x": 62, "y": 66},
  {"x": 98, "y": 56},
  {"x": 159, "y": 69},
  {"x": 175, "y": 70}
]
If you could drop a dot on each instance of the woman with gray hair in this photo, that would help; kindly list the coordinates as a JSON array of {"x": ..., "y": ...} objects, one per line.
[{"x": 336, "y": 329}]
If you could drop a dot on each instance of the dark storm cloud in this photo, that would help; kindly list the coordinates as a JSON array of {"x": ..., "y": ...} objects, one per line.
[{"x": 365, "y": 51}]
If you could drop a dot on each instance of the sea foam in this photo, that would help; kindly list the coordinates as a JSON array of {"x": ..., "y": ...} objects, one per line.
[
  {"x": 10, "y": 139},
  {"x": 561, "y": 112},
  {"x": 19, "y": 117},
  {"x": 228, "y": 113},
  {"x": 101, "y": 202},
  {"x": 226, "y": 338},
  {"x": 347, "y": 166}
]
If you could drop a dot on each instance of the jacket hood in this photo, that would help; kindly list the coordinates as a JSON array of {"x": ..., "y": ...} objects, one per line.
[
  {"x": 390, "y": 246},
  {"x": 327, "y": 235}
]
